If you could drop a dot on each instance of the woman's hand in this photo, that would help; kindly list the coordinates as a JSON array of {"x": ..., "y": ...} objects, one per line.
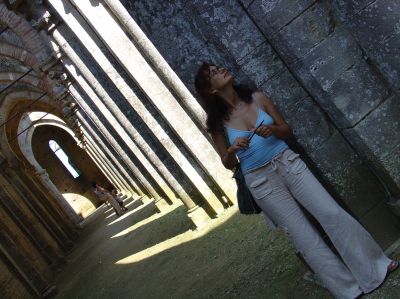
[
  {"x": 263, "y": 131},
  {"x": 240, "y": 143}
]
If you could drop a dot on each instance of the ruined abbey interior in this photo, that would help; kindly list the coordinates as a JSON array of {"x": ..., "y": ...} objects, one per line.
[{"x": 109, "y": 83}]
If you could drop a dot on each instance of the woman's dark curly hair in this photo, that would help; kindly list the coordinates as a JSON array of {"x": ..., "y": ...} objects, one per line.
[{"x": 216, "y": 108}]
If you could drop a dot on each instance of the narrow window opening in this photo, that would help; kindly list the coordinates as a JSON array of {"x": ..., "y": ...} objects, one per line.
[{"x": 63, "y": 158}]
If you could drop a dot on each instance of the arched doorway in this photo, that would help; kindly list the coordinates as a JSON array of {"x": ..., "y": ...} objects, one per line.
[{"x": 69, "y": 167}]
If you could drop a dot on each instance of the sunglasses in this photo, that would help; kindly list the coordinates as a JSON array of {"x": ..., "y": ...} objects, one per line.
[{"x": 215, "y": 71}]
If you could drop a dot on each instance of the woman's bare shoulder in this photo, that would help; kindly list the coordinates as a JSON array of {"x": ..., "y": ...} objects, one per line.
[
  {"x": 261, "y": 99},
  {"x": 259, "y": 95}
]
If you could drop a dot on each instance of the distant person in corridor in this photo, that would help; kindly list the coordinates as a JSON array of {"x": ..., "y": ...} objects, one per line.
[
  {"x": 114, "y": 193},
  {"x": 280, "y": 182},
  {"x": 105, "y": 196}
]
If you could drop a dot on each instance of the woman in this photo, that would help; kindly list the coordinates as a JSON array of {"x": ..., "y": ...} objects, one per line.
[
  {"x": 114, "y": 193},
  {"x": 106, "y": 196},
  {"x": 279, "y": 181}
]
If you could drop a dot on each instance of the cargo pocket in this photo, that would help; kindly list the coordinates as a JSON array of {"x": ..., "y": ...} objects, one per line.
[
  {"x": 295, "y": 164},
  {"x": 260, "y": 188}
]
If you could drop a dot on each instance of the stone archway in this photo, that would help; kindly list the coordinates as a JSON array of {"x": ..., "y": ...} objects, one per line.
[{"x": 76, "y": 191}]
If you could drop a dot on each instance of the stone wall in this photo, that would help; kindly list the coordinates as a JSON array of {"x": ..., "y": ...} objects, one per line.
[
  {"x": 145, "y": 121},
  {"x": 35, "y": 230},
  {"x": 336, "y": 93},
  {"x": 375, "y": 26},
  {"x": 330, "y": 66}
]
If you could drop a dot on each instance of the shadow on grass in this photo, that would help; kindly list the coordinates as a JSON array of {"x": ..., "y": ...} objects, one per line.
[{"x": 161, "y": 258}]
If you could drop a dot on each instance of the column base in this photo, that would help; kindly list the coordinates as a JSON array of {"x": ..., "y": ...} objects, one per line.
[
  {"x": 145, "y": 199},
  {"x": 393, "y": 248},
  {"x": 161, "y": 205},
  {"x": 135, "y": 203},
  {"x": 198, "y": 217},
  {"x": 394, "y": 206}
]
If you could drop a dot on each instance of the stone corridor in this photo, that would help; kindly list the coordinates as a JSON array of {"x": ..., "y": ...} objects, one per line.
[{"x": 109, "y": 83}]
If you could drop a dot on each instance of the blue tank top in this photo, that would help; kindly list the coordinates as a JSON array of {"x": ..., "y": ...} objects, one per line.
[{"x": 261, "y": 150}]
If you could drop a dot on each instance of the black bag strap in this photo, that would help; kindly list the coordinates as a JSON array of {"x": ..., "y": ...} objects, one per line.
[{"x": 237, "y": 167}]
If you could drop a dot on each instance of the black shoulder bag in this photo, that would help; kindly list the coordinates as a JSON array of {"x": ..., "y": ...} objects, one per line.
[{"x": 246, "y": 202}]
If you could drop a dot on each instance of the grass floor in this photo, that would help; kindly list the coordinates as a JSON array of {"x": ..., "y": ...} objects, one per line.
[{"x": 144, "y": 254}]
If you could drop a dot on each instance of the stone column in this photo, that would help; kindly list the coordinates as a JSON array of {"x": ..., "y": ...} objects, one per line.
[
  {"x": 95, "y": 139},
  {"x": 114, "y": 115},
  {"x": 193, "y": 174},
  {"x": 196, "y": 213},
  {"x": 9, "y": 272},
  {"x": 43, "y": 176},
  {"x": 102, "y": 165},
  {"x": 46, "y": 247},
  {"x": 164, "y": 71},
  {"x": 141, "y": 72},
  {"x": 46, "y": 212},
  {"x": 9, "y": 249},
  {"x": 108, "y": 135},
  {"x": 122, "y": 185},
  {"x": 107, "y": 106}
]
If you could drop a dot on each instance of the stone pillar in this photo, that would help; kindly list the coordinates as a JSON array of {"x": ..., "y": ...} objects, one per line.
[
  {"x": 115, "y": 116},
  {"x": 149, "y": 51},
  {"x": 43, "y": 176},
  {"x": 107, "y": 107},
  {"x": 153, "y": 193},
  {"x": 95, "y": 139},
  {"x": 101, "y": 164},
  {"x": 48, "y": 249},
  {"x": 59, "y": 228},
  {"x": 104, "y": 165},
  {"x": 195, "y": 211},
  {"x": 19, "y": 287},
  {"x": 123, "y": 186},
  {"x": 27, "y": 272},
  {"x": 142, "y": 73},
  {"x": 192, "y": 171}
]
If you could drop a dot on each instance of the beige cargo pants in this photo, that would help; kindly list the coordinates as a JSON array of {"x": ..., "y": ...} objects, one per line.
[{"x": 279, "y": 188}]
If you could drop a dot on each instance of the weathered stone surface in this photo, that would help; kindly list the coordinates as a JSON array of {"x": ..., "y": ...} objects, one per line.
[
  {"x": 307, "y": 30},
  {"x": 346, "y": 9},
  {"x": 227, "y": 21},
  {"x": 11, "y": 287},
  {"x": 376, "y": 21},
  {"x": 274, "y": 14},
  {"x": 160, "y": 13},
  {"x": 391, "y": 162},
  {"x": 309, "y": 125},
  {"x": 188, "y": 47},
  {"x": 331, "y": 58},
  {"x": 261, "y": 64},
  {"x": 380, "y": 129},
  {"x": 382, "y": 224},
  {"x": 377, "y": 28},
  {"x": 246, "y": 3},
  {"x": 10, "y": 37},
  {"x": 388, "y": 59},
  {"x": 342, "y": 168},
  {"x": 356, "y": 92},
  {"x": 187, "y": 51},
  {"x": 284, "y": 90},
  {"x": 8, "y": 64},
  {"x": 327, "y": 62}
]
